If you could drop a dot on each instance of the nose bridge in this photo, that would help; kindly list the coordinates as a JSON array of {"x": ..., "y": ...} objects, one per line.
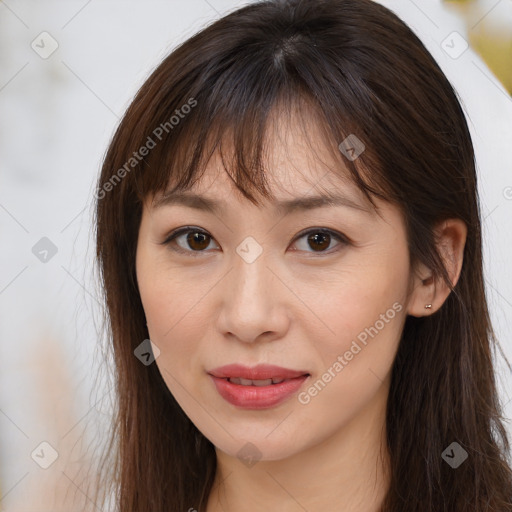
[
  {"x": 252, "y": 282},
  {"x": 251, "y": 303}
]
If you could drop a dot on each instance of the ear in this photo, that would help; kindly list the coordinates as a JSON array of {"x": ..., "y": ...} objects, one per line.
[{"x": 451, "y": 239}]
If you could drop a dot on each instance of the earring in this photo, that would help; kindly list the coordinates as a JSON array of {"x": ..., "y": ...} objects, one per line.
[{"x": 428, "y": 306}]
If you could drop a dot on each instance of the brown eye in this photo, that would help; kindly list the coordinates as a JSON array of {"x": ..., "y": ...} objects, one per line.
[
  {"x": 319, "y": 240},
  {"x": 197, "y": 240},
  {"x": 191, "y": 241}
]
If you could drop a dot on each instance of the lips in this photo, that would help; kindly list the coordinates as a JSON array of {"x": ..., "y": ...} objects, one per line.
[
  {"x": 259, "y": 387},
  {"x": 258, "y": 394},
  {"x": 261, "y": 372}
]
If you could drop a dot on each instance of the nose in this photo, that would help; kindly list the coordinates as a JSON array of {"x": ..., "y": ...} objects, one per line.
[{"x": 253, "y": 302}]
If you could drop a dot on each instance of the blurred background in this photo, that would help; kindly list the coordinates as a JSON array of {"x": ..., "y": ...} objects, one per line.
[{"x": 68, "y": 70}]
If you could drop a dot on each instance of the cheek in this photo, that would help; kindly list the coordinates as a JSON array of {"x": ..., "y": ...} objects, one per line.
[
  {"x": 359, "y": 315},
  {"x": 173, "y": 313},
  {"x": 172, "y": 305},
  {"x": 176, "y": 327},
  {"x": 355, "y": 361}
]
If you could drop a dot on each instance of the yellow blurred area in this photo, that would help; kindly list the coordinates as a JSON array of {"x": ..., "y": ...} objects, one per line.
[{"x": 489, "y": 35}]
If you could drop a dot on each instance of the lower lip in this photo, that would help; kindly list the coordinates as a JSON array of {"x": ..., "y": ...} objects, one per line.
[{"x": 257, "y": 397}]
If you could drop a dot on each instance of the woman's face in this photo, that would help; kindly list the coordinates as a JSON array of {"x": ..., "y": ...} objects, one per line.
[{"x": 262, "y": 285}]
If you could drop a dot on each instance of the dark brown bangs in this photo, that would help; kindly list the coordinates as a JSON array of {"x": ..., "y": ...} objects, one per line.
[
  {"x": 244, "y": 143},
  {"x": 183, "y": 126}
]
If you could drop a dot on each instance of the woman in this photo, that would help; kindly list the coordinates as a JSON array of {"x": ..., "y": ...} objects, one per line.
[{"x": 288, "y": 211}]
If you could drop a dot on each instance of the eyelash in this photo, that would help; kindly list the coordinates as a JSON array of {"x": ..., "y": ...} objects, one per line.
[{"x": 185, "y": 230}]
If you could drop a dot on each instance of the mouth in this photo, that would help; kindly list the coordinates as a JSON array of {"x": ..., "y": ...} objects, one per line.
[
  {"x": 259, "y": 375},
  {"x": 260, "y": 383},
  {"x": 259, "y": 387}
]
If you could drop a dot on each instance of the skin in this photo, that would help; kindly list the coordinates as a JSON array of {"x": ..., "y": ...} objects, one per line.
[{"x": 294, "y": 306}]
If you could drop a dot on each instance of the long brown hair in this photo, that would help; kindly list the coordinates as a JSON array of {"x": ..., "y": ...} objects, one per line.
[{"x": 359, "y": 70}]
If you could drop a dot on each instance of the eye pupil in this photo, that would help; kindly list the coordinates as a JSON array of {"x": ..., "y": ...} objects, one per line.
[
  {"x": 201, "y": 238},
  {"x": 320, "y": 238}
]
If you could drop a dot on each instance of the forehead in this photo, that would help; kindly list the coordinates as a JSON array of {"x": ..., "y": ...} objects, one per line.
[
  {"x": 293, "y": 188},
  {"x": 215, "y": 194},
  {"x": 299, "y": 158},
  {"x": 287, "y": 177}
]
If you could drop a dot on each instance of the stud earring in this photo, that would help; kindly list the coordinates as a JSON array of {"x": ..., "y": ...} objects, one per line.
[{"x": 428, "y": 306}]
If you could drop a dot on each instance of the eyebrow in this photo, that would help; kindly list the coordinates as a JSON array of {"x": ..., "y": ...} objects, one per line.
[{"x": 285, "y": 207}]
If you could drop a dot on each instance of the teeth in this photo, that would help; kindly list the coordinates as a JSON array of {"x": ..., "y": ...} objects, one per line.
[{"x": 248, "y": 382}]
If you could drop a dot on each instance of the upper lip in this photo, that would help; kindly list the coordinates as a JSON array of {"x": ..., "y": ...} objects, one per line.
[{"x": 259, "y": 372}]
